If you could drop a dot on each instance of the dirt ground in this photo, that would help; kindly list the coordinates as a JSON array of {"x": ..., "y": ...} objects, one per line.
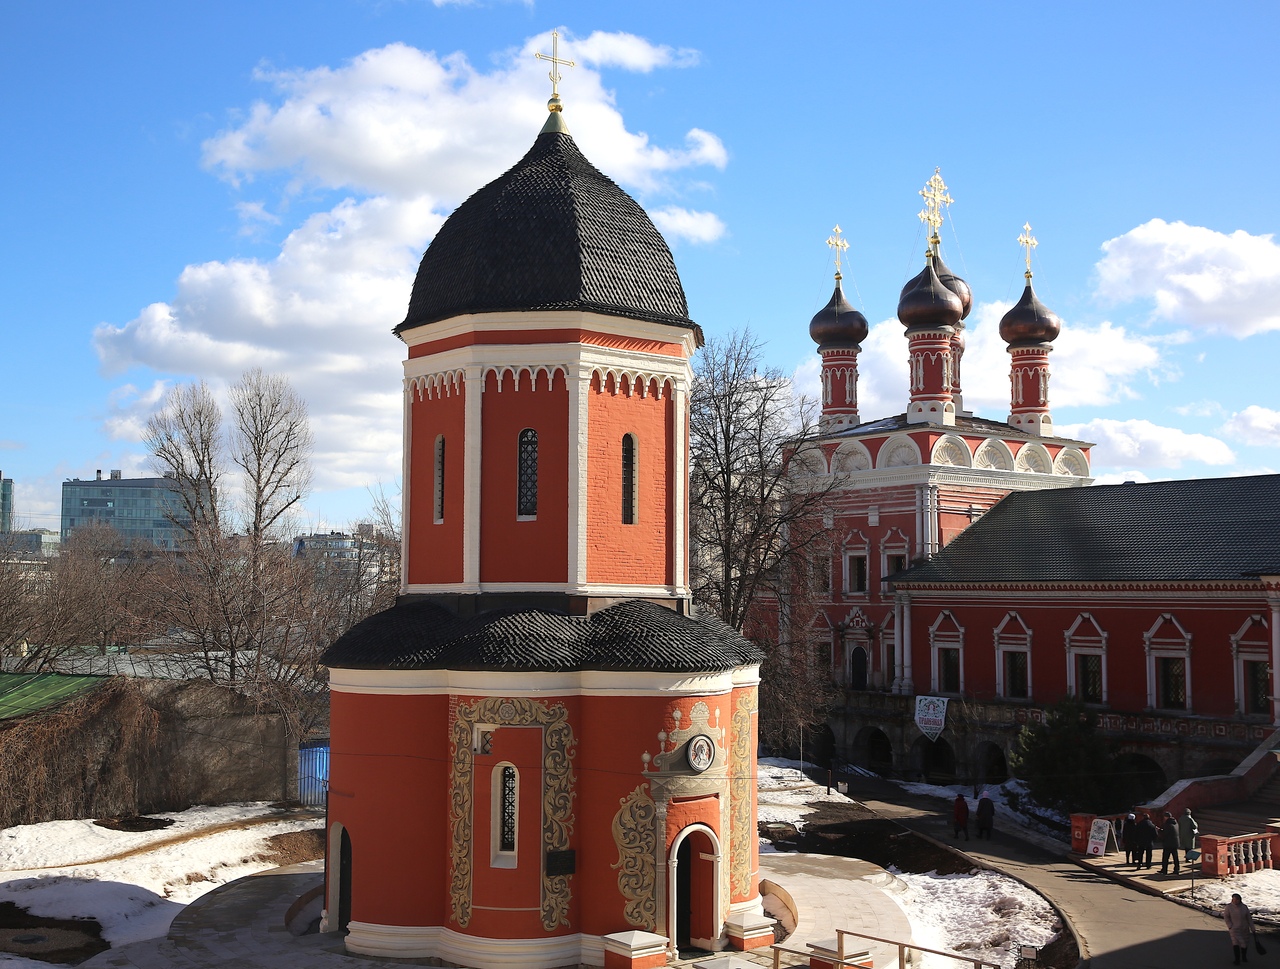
[{"x": 854, "y": 831}]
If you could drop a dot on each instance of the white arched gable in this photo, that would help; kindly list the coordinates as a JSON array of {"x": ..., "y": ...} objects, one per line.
[
  {"x": 993, "y": 455},
  {"x": 1013, "y": 628},
  {"x": 434, "y": 386},
  {"x": 1167, "y": 632},
  {"x": 898, "y": 452},
  {"x": 951, "y": 450},
  {"x": 1071, "y": 461},
  {"x": 1086, "y": 631},
  {"x": 810, "y": 459},
  {"x": 1034, "y": 458},
  {"x": 849, "y": 457}
]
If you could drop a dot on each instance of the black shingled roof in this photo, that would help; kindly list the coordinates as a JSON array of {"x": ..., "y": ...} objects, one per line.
[
  {"x": 632, "y": 635},
  {"x": 553, "y": 233},
  {"x": 1204, "y": 529}
]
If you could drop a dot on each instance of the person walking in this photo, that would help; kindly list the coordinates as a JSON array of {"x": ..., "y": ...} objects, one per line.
[
  {"x": 1129, "y": 837},
  {"x": 986, "y": 815},
  {"x": 1188, "y": 831},
  {"x": 1147, "y": 835},
  {"x": 960, "y": 815},
  {"x": 1169, "y": 844},
  {"x": 1239, "y": 926}
]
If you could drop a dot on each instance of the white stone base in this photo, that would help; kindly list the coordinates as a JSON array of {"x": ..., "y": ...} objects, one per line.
[{"x": 435, "y": 942}]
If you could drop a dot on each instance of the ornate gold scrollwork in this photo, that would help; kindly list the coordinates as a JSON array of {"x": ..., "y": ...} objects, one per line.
[
  {"x": 741, "y": 819},
  {"x": 635, "y": 832}
]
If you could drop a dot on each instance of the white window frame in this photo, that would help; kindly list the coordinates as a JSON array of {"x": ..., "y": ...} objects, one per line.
[
  {"x": 894, "y": 543},
  {"x": 1246, "y": 649},
  {"x": 1084, "y": 644},
  {"x": 940, "y": 639},
  {"x": 1015, "y": 640},
  {"x": 1165, "y": 646},
  {"x": 498, "y": 858}
]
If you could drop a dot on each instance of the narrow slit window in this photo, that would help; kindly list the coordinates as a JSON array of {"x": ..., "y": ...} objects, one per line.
[
  {"x": 507, "y": 830},
  {"x": 527, "y": 474},
  {"x": 439, "y": 480},
  {"x": 628, "y": 479}
]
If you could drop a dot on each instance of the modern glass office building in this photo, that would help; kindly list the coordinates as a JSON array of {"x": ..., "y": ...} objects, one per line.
[{"x": 140, "y": 509}]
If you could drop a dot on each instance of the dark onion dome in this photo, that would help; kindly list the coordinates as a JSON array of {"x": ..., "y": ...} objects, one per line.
[
  {"x": 1030, "y": 321},
  {"x": 553, "y": 233},
  {"x": 630, "y": 635},
  {"x": 926, "y": 303},
  {"x": 838, "y": 324},
  {"x": 955, "y": 284}
]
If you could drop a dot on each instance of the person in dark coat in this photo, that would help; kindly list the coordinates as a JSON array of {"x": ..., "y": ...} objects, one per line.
[
  {"x": 1146, "y": 839},
  {"x": 1129, "y": 838},
  {"x": 960, "y": 815},
  {"x": 1169, "y": 842},
  {"x": 1188, "y": 831},
  {"x": 986, "y": 815}
]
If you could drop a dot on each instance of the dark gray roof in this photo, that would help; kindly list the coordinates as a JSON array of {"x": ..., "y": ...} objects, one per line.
[
  {"x": 553, "y": 233},
  {"x": 1204, "y": 529},
  {"x": 964, "y": 422},
  {"x": 632, "y": 635}
]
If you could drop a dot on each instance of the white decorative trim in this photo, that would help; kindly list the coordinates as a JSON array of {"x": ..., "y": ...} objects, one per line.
[
  {"x": 1177, "y": 646},
  {"x": 579, "y": 384},
  {"x": 531, "y": 684},
  {"x": 954, "y": 451},
  {"x": 472, "y": 423},
  {"x": 1033, "y": 458},
  {"x": 406, "y": 488},
  {"x": 1083, "y": 644},
  {"x": 898, "y": 444},
  {"x": 586, "y": 589},
  {"x": 1245, "y": 649},
  {"x": 679, "y": 487},
  {"x": 993, "y": 454},
  {"x": 717, "y": 881},
  {"x": 851, "y": 457},
  {"x": 1016, "y": 641},
  {"x": 536, "y": 320},
  {"x": 437, "y": 942},
  {"x": 1071, "y": 462},
  {"x": 939, "y": 639}
]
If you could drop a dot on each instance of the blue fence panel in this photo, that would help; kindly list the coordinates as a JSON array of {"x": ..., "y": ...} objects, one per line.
[{"x": 313, "y": 772}]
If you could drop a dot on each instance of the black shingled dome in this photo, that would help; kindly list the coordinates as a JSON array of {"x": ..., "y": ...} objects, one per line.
[
  {"x": 631, "y": 635},
  {"x": 553, "y": 233}
]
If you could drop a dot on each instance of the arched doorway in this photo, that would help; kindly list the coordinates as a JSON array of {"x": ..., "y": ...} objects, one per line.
[
  {"x": 934, "y": 760},
  {"x": 338, "y": 896},
  {"x": 990, "y": 766},
  {"x": 857, "y": 668},
  {"x": 872, "y": 750},
  {"x": 693, "y": 914},
  {"x": 1138, "y": 779}
]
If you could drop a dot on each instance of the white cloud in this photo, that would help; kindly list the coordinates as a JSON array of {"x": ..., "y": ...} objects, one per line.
[
  {"x": 630, "y": 52},
  {"x": 1142, "y": 444},
  {"x": 1254, "y": 425},
  {"x": 406, "y": 134},
  {"x": 1196, "y": 276},
  {"x": 677, "y": 223},
  {"x": 1200, "y": 408}
]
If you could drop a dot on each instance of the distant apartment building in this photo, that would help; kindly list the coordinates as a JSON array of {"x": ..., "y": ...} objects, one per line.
[
  {"x": 6, "y": 503},
  {"x": 140, "y": 509},
  {"x": 336, "y": 546}
]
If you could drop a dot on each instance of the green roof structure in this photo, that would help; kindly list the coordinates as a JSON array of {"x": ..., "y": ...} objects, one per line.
[{"x": 26, "y": 693}]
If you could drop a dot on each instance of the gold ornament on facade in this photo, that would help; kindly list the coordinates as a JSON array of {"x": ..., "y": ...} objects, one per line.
[
  {"x": 558, "y": 746},
  {"x": 635, "y": 833}
]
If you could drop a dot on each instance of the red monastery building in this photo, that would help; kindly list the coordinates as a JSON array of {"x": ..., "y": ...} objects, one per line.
[
  {"x": 1151, "y": 603},
  {"x": 539, "y": 757}
]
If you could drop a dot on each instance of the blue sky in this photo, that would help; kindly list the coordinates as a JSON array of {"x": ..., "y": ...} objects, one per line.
[{"x": 197, "y": 189}]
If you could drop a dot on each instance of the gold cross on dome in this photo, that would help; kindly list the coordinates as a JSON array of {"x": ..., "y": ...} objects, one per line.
[
  {"x": 839, "y": 245},
  {"x": 1028, "y": 242},
  {"x": 935, "y": 197},
  {"x": 556, "y": 62}
]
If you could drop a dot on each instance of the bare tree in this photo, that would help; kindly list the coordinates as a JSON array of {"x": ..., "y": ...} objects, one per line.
[
  {"x": 185, "y": 440},
  {"x": 750, "y": 515}
]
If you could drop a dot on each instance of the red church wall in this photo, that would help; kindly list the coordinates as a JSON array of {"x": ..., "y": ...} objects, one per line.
[
  {"x": 506, "y": 902},
  {"x": 524, "y": 551},
  {"x": 384, "y": 763},
  {"x": 1125, "y": 619},
  {"x": 435, "y": 550},
  {"x": 637, "y": 554}
]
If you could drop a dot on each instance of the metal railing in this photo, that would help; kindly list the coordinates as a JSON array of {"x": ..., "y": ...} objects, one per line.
[{"x": 844, "y": 957}]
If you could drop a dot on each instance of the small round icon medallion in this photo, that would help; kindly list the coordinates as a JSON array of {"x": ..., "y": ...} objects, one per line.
[{"x": 701, "y": 752}]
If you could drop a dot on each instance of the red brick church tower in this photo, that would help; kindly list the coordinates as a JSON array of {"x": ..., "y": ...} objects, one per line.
[{"x": 539, "y": 757}]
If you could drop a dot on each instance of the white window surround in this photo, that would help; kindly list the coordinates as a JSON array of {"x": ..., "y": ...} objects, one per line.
[
  {"x": 1167, "y": 639},
  {"x": 945, "y": 633},
  {"x": 893, "y": 543},
  {"x": 1012, "y": 636},
  {"x": 1085, "y": 638},
  {"x": 854, "y": 546},
  {"x": 497, "y": 857},
  {"x": 1251, "y": 643}
]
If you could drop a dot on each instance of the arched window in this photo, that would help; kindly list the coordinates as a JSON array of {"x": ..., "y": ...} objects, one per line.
[
  {"x": 438, "y": 503},
  {"x": 527, "y": 474},
  {"x": 628, "y": 479},
  {"x": 505, "y": 816}
]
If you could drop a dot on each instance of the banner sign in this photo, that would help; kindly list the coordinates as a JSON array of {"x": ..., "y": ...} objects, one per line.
[{"x": 931, "y": 715}]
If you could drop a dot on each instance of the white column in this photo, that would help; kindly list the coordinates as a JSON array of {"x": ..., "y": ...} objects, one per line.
[
  {"x": 678, "y": 521},
  {"x": 474, "y": 409},
  {"x": 578, "y": 379},
  {"x": 406, "y": 448},
  {"x": 896, "y": 686},
  {"x": 908, "y": 684}
]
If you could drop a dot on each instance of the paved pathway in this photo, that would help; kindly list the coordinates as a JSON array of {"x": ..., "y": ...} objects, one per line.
[{"x": 1118, "y": 925}]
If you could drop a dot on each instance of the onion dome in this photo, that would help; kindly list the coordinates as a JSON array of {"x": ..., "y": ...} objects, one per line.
[
  {"x": 925, "y": 303},
  {"x": 838, "y": 324},
  {"x": 955, "y": 284},
  {"x": 1030, "y": 321},
  {"x": 553, "y": 233}
]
